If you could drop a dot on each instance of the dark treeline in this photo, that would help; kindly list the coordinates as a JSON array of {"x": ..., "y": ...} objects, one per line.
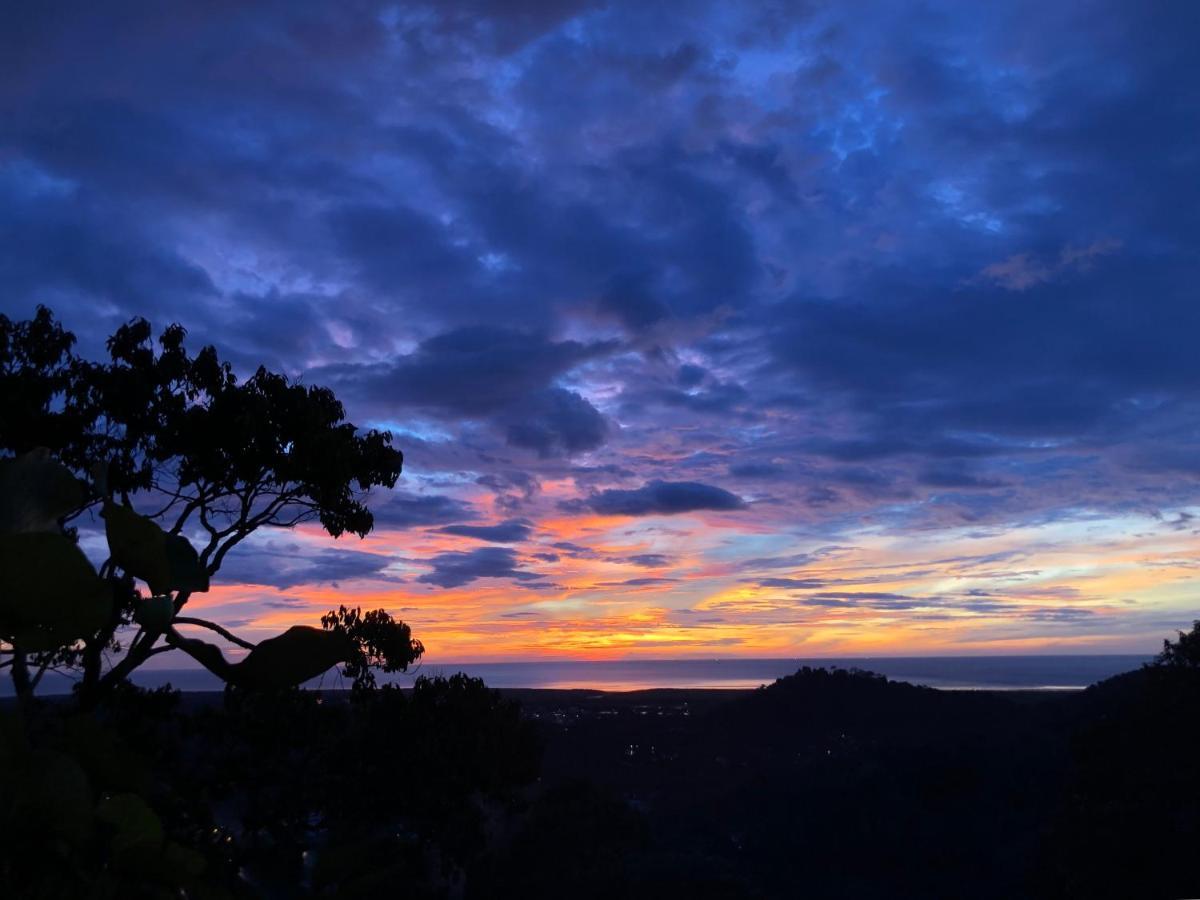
[
  {"x": 837, "y": 784},
  {"x": 825, "y": 784}
]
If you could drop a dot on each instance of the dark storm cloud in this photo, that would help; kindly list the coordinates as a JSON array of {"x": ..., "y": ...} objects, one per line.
[
  {"x": 972, "y": 357},
  {"x": 61, "y": 244},
  {"x": 512, "y": 531},
  {"x": 631, "y": 299},
  {"x": 853, "y": 256},
  {"x": 555, "y": 422},
  {"x": 472, "y": 371},
  {"x": 455, "y": 569},
  {"x": 497, "y": 375},
  {"x": 394, "y": 244},
  {"x": 659, "y": 498}
]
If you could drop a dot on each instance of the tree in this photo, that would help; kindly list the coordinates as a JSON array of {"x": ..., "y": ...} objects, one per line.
[
  {"x": 170, "y": 447},
  {"x": 1185, "y": 652}
]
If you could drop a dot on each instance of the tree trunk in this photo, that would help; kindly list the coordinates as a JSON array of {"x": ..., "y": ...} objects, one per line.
[{"x": 22, "y": 684}]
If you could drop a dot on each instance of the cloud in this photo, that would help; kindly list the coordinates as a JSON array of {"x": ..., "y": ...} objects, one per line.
[
  {"x": 915, "y": 275},
  {"x": 648, "y": 560},
  {"x": 556, "y": 422},
  {"x": 512, "y": 489},
  {"x": 287, "y": 565},
  {"x": 285, "y": 603},
  {"x": 403, "y": 510},
  {"x": 473, "y": 371},
  {"x": 635, "y": 582},
  {"x": 660, "y": 498},
  {"x": 510, "y": 531},
  {"x": 575, "y": 551},
  {"x": 1020, "y": 271},
  {"x": 455, "y": 569},
  {"x": 631, "y": 299},
  {"x": 394, "y": 243},
  {"x": 868, "y": 599},
  {"x": 763, "y": 470},
  {"x": 502, "y": 376},
  {"x": 956, "y": 477},
  {"x": 792, "y": 583}
]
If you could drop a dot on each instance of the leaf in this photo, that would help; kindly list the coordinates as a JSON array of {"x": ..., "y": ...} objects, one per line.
[
  {"x": 155, "y": 613},
  {"x": 187, "y": 573},
  {"x": 138, "y": 546},
  {"x": 184, "y": 862},
  {"x": 292, "y": 658},
  {"x": 50, "y": 595},
  {"x": 137, "y": 825},
  {"x": 103, "y": 755},
  {"x": 166, "y": 562},
  {"x": 52, "y": 796},
  {"x": 35, "y": 492}
]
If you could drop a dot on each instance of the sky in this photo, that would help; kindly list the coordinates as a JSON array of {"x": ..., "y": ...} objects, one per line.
[{"x": 707, "y": 330}]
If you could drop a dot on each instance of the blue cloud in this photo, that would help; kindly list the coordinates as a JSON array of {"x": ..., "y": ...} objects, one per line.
[
  {"x": 405, "y": 510},
  {"x": 511, "y": 531},
  {"x": 288, "y": 565},
  {"x": 661, "y": 498},
  {"x": 455, "y": 568},
  {"x": 913, "y": 267}
]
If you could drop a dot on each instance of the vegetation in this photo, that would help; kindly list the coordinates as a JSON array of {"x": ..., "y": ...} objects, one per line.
[
  {"x": 827, "y": 783},
  {"x": 1184, "y": 652},
  {"x": 168, "y": 447},
  {"x": 259, "y": 794}
]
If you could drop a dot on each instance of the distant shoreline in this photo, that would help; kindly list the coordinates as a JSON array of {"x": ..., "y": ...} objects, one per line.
[{"x": 1049, "y": 673}]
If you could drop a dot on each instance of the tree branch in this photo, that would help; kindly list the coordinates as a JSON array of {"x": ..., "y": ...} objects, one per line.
[
  {"x": 225, "y": 633},
  {"x": 206, "y": 654},
  {"x": 33, "y": 683}
]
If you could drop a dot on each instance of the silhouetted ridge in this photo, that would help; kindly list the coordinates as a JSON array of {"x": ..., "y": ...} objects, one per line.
[
  {"x": 816, "y": 702},
  {"x": 1130, "y": 815}
]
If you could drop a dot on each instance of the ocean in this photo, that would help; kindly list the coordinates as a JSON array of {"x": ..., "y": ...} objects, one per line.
[{"x": 945, "y": 672}]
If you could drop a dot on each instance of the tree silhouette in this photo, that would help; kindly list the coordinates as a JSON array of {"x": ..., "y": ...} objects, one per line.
[
  {"x": 1184, "y": 652},
  {"x": 170, "y": 447}
]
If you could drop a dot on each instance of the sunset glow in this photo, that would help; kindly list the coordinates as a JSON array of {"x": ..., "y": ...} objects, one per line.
[{"x": 728, "y": 331}]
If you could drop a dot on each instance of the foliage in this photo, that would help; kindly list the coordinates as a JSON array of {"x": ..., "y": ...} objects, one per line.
[
  {"x": 1131, "y": 801},
  {"x": 39, "y": 380},
  {"x": 391, "y": 787},
  {"x": 1183, "y": 652},
  {"x": 170, "y": 446},
  {"x": 37, "y": 492},
  {"x": 75, "y": 819},
  {"x": 262, "y": 451},
  {"x": 379, "y": 642}
]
